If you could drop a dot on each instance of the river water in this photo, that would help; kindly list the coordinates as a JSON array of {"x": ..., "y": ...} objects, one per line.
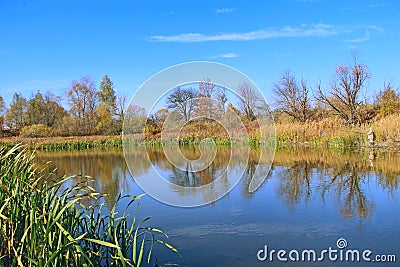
[{"x": 309, "y": 200}]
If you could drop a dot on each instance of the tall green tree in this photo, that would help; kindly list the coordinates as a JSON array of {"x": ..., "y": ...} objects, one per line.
[
  {"x": 107, "y": 94},
  {"x": 15, "y": 116},
  {"x": 34, "y": 113},
  {"x": 44, "y": 110},
  {"x": 106, "y": 109}
]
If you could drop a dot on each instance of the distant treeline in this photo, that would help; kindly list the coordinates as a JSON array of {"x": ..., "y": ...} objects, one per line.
[{"x": 93, "y": 110}]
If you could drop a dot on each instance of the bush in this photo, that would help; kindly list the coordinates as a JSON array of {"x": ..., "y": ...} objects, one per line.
[{"x": 36, "y": 130}]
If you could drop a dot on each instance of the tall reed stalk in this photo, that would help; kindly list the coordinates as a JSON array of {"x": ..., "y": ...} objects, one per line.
[{"x": 42, "y": 225}]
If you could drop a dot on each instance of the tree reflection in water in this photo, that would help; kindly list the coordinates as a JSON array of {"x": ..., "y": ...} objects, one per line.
[
  {"x": 347, "y": 183},
  {"x": 108, "y": 169},
  {"x": 294, "y": 183},
  {"x": 299, "y": 173}
]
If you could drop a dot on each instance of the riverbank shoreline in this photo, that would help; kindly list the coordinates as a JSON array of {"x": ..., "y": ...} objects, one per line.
[
  {"x": 327, "y": 133},
  {"x": 115, "y": 142}
]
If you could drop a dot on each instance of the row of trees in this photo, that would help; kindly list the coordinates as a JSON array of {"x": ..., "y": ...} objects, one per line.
[
  {"x": 295, "y": 99},
  {"x": 203, "y": 101},
  {"x": 91, "y": 110},
  {"x": 210, "y": 101},
  {"x": 343, "y": 97}
]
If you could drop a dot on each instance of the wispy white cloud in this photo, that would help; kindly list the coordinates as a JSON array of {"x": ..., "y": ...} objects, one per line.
[
  {"x": 365, "y": 8},
  {"x": 225, "y": 10},
  {"x": 377, "y": 5},
  {"x": 376, "y": 28},
  {"x": 229, "y": 55},
  {"x": 365, "y": 38},
  {"x": 304, "y": 30}
]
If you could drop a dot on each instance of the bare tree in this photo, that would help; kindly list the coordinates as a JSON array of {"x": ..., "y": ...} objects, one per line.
[
  {"x": 345, "y": 91},
  {"x": 2, "y": 105},
  {"x": 251, "y": 102},
  {"x": 120, "y": 106},
  {"x": 206, "y": 94},
  {"x": 135, "y": 119},
  {"x": 82, "y": 97},
  {"x": 206, "y": 88},
  {"x": 222, "y": 99},
  {"x": 120, "y": 103},
  {"x": 2, "y": 108},
  {"x": 293, "y": 98},
  {"x": 184, "y": 101}
]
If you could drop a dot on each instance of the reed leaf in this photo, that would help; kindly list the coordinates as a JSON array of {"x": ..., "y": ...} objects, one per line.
[{"x": 43, "y": 225}]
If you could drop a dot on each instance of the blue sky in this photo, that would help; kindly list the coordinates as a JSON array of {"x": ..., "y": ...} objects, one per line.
[{"x": 46, "y": 44}]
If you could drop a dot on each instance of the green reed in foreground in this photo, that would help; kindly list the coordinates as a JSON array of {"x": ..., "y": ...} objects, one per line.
[{"x": 42, "y": 225}]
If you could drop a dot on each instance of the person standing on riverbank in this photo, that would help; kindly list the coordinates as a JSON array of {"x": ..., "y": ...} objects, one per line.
[{"x": 371, "y": 136}]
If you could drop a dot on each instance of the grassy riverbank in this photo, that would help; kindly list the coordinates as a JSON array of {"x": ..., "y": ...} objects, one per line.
[
  {"x": 332, "y": 133},
  {"x": 65, "y": 143},
  {"x": 43, "y": 226},
  {"x": 328, "y": 133}
]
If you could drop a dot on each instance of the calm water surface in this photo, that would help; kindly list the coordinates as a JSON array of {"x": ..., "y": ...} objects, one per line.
[{"x": 309, "y": 200}]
